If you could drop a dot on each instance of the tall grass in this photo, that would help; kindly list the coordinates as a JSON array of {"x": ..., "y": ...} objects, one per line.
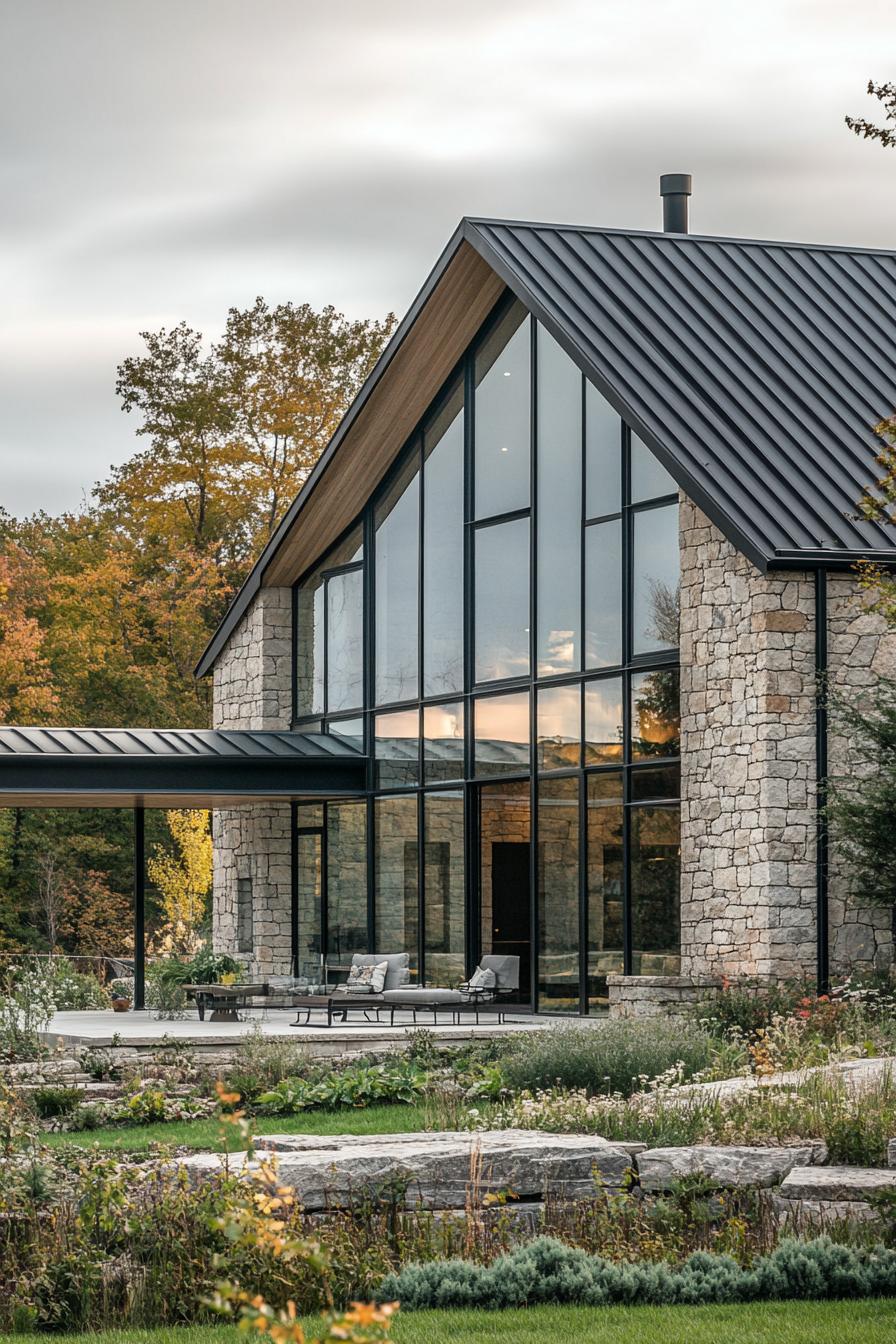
[
  {"x": 612, "y": 1057},
  {"x": 855, "y": 1125}
]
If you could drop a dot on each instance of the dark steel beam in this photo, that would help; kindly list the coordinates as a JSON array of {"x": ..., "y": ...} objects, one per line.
[
  {"x": 139, "y": 908},
  {"x": 196, "y": 776},
  {"x": 821, "y": 780}
]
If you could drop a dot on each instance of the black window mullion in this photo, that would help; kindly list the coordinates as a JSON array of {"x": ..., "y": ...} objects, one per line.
[
  {"x": 371, "y": 874},
  {"x": 583, "y": 893},
  {"x": 369, "y": 636},
  {"x": 534, "y": 912},
  {"x": 294, "y": 672},
  {"x": 324, "y": 889},
  {"x": 326, "y": 588},
  {"x": 421, "y": 888}
]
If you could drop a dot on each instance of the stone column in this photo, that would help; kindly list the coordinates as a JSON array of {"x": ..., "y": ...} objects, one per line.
[
  {"x": 748, "y": 762},
  {"x": 252, "y": 844}
]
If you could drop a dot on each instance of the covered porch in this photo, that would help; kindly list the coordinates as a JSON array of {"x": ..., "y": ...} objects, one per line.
[{"x": 169, "y": 768}]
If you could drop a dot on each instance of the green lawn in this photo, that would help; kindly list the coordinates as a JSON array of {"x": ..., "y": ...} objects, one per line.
[
  {"x": 869, "y": 1322},
  {"x": 207, "y": 1134}
]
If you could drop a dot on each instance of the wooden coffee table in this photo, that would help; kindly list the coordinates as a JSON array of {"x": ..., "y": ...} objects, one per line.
[
  {"x": 225, "y": 1001},
  {"x": 334, "y": 1003}
]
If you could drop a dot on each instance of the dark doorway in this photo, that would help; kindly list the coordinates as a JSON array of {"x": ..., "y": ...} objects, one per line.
[
  {"x": 504, "y": 839},
  {"x": 510, "y": 907}
]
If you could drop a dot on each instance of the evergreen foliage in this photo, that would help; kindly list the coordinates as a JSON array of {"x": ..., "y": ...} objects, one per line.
[
  {"x": 861, "y": 806},
  {"x": 547, "y": 1271}
]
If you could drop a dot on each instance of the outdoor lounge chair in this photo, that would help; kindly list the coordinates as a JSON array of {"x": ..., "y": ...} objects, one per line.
[
  {"x": 338, "y": 1001},
  {"x": 506, "y": 970}
]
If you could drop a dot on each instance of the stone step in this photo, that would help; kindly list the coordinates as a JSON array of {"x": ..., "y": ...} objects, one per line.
[
  {"x": 728, "y": 1168},
  {"x": 837, "y": 1183},
  {"x": 441, "y": 1171}
]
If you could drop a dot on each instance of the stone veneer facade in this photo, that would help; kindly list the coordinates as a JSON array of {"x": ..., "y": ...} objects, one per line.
[
  {"x": 252, "y": 844},
  {"x": 748, "y": 759},
  {"x": 748, "y": 774}
]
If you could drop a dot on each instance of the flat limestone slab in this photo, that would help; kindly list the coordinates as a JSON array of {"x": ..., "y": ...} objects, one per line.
[
  {"x": 440, "y": 1170},
  {"x": 729, "y": 1168},
  {"x": 837, "y": 1183}
]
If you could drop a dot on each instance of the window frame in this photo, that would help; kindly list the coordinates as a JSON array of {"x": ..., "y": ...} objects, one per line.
[{"x": 468, "y": 781}]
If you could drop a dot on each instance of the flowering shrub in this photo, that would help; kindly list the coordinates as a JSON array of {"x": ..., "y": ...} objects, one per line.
[
  {"x": 788, "y": 1027},
  {"x": 70, "y": 989},
  {"x": 259, "y": 1220},
  {"x": 27, "y": 1006}
]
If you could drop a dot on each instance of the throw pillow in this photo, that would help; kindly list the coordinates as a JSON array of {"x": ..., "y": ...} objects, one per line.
[
  {"x": 481, "y": 979},
  {"x": 367, "y": 979},
  {"x": 378, "y": 979}
]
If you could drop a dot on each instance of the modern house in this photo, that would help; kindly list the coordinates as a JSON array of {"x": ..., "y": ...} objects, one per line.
[{"x": 567, "y": 586}]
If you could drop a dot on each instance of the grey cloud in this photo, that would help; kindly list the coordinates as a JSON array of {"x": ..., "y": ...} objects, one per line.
[{"x": 168, "y": 160}]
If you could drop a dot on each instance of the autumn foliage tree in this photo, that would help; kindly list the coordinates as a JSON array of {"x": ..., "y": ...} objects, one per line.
[
  {"x": 234, "y": 430},
  {"x": 27, "y": 694},
  {"x": 182, "y": 874},
  {"x": 105, "y": 610}
]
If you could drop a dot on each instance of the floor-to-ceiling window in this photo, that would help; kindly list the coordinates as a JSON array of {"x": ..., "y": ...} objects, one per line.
[{"x": 508, "y": 604}]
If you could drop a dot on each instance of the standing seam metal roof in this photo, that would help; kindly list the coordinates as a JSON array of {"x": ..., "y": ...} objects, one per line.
[
  {"x": 755, "y": 371},
  {"x": 167, "y": 744}
]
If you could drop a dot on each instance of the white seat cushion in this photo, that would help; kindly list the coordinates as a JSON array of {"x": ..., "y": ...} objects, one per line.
[{"x": 421, "y": 996}]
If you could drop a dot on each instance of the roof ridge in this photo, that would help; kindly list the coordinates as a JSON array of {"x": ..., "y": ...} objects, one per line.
[{"x": 659, "y": 235}]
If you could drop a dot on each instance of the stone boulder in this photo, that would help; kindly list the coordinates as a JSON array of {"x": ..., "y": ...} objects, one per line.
[
  {"x": 729, "y": 1168},
  {"x": 436, "y": 1171},
  {"x": 837, "y": 1183}
]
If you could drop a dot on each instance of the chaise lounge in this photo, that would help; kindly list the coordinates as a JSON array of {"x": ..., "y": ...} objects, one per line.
[
  {"x": 494, "y": 981},
  {"x": 371, "y": 976}
]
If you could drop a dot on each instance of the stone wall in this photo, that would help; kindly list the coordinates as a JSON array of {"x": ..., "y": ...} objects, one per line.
[
  {"x": 748, "y": 904},
  {"x": 748, "y": 761},
  {"x": 253, "y": 676},
  {"x": 253, "y": 689}
]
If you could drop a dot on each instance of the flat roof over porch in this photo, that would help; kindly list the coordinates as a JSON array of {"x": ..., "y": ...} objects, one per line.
[
  {"x": 170, "y": 768},
  {"x": 164, "y": 767}
]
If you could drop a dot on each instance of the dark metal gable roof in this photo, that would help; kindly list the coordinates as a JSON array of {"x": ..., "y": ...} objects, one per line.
[{"x": 754, "y": 370}]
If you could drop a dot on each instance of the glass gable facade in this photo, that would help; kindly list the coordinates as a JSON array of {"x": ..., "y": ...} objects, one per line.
[{"x": 500, "y": 632}]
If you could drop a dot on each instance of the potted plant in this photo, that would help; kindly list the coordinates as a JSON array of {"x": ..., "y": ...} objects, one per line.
[
  {"x": 209, "y": 968},
  {"x": 122, "y": 992}
]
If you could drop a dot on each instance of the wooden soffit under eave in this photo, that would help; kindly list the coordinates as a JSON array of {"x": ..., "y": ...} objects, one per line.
[{"x": 445, "y": 326}]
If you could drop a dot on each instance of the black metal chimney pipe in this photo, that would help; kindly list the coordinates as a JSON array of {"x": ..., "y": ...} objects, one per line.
[{"x": 675, "y": 188}]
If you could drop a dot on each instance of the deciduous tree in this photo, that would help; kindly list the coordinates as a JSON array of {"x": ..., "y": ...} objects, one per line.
[
  {"x": 869, "y": 130},
  {"x": 183, "y": 873}
]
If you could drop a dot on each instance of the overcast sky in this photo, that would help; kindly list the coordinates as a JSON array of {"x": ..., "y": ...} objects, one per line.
[{"x": 165, "y": 159}]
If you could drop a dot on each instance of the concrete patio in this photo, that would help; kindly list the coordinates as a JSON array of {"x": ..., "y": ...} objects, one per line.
[{"x": 141, "y": 1029}]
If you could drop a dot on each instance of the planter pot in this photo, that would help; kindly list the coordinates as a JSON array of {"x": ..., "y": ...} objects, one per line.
[{"x": 120, "y": 1005}]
